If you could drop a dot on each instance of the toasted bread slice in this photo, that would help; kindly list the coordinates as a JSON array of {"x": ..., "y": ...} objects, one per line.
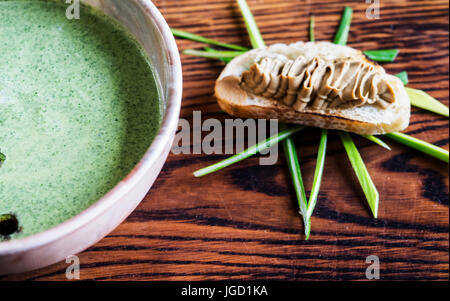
[{"x": 364, "y": 118}]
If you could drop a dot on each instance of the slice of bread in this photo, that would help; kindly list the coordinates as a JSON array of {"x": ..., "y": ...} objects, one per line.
[{"x": 369, "y": 119}]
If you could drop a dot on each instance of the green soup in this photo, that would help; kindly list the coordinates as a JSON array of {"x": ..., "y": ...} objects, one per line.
[{"x": 79, "y": 106}]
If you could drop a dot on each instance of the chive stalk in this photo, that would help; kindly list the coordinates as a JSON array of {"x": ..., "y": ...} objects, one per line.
[
  {"x": 367, "y": 185},
  {"x": 253, "y": 30},
  {"x": 422, "y": 146},
  {"x": 197, "y": 38},
  {"x": 377, "y": 141},
  {"x": 384, "y": 55},
  {"x": 297, "y": 180},
  {"x": 425, "y": 101},
  {"x": 212, "y": 50},
  {"x": 212, "y": 54},
  {"x": 282, "y": 135},
  {"x": 311, "y": 28},
  {"x": 344, "y": 27},
  {"x": 318, "y": 173},
  {"x": 403, "y": 76}
]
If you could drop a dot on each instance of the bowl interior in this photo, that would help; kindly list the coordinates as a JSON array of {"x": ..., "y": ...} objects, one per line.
[
  {"x": 142, "y": 19},
  {"x": 134, "y": 16}
]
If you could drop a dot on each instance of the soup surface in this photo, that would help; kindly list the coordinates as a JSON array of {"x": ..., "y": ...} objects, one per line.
[{"x": 79, "y": 106}]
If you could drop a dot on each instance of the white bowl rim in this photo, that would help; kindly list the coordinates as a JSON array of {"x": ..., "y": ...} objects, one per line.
[{"x": 168, "y": 124}]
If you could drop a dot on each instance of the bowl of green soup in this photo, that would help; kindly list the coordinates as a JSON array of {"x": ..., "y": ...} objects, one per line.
[{"x": 90, "y": 95}]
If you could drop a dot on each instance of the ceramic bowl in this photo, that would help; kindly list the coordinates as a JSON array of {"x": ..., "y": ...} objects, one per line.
[{"x": 146, "y": 23}]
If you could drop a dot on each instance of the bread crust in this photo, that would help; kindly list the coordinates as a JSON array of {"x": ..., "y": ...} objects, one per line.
[{"x": 237, "y": 102}]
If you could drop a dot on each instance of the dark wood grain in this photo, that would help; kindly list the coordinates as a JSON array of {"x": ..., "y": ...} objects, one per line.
[{"x": 242, "y": 223}]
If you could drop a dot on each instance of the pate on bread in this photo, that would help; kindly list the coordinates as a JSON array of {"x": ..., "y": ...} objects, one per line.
[{"x": 317, "y": 84}]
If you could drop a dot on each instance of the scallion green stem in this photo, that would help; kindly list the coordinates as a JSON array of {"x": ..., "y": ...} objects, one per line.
[
  {"x": 318, "y": 173},
  {"x": 250, "y": 151},
  {"x": 344, "y": 27},
  {"x": 425, "y": 101},
  {"x": 377, "y": 141},
  {"x": 367, "y": 185},
  {"x": 297, "y": 180},
  {"x": 197, "y": 38},
  {"x": 212, "y": 55},
  {"x": 422, "y": 99},
  {"x": 425, "y": 147},
  {"x": 403, "y": 76},
  {"x": 311, "y": 28},
  {"x": 384, "y": 55},
  {"x": 212, "y": 50},
  {"x": 253, "y": 30}
]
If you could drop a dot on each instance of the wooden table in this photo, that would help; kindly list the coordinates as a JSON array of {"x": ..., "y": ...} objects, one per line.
[{"x": 242, "y": 223}]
